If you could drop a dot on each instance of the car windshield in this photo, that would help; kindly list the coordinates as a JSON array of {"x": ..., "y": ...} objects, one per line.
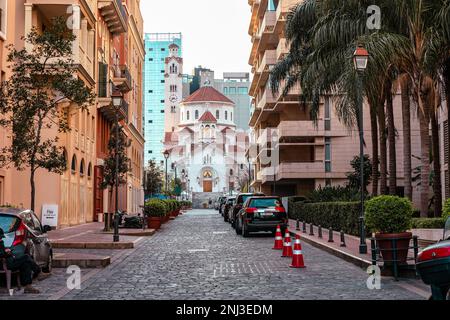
[
  {"x": 244, "y": 198},
  {"x": 8, "y": 224},
  {"x": 265, "y": 203},
  {"x": 231, "y": 201}
]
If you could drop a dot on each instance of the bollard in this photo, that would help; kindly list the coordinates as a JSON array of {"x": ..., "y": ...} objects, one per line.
[
  {"x": 298, "y": 225},
  {"x": 330, "y": 235},
  {"x": 320, "y": 232},
  {"x": 342, "y": 239},
  {"x": 311, "y": 229},
  {"x": 304, "y": 227}
]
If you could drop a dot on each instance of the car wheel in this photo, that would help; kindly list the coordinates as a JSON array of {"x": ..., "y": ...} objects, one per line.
[
  {"x": 237, "y": 227},
  {"x": 49, "y": 266},
  {"x": 244, "y": 231}
]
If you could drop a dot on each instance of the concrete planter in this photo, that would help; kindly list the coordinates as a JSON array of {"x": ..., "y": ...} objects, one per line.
[{"x": 154, "y": 222}]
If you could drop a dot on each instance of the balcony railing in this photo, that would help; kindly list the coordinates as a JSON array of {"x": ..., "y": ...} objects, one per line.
[
  {"x": 122, "y": 78},
  {"x": 300, "y": 129}
]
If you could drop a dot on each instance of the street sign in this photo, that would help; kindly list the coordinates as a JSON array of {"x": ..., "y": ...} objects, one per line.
[{"x": 50, "y": 215}]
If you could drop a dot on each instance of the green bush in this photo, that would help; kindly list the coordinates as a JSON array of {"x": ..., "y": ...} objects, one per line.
[
  {"x": 155, "y": 208},
  {"x": 334, "y": 194},
  {"x": 428, "y": 223},
  {"x": 389, "y": 214},
  {"x": 341, "y": 216},
  {"x": 446, "y": 210}
]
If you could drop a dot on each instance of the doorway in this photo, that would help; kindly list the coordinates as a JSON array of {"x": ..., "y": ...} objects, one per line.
[{"x": 207, "y": 186}]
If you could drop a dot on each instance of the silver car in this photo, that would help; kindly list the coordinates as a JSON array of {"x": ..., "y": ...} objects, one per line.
[{"x": 24, "y": 233}]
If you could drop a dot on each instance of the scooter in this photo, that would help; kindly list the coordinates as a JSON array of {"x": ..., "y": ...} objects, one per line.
[{"x": 433, "y": 266}]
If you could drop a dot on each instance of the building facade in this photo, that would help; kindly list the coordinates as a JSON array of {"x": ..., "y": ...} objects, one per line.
[
  {"x": 291, "y": 154},
  {"x": 173, "y": 88},
  {"x": 108, "y": 53},
  {"x": 157, "y": 50}
]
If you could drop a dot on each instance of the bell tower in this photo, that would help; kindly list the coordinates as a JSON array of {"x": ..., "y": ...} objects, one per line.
[{"x": 173, "y": 88}]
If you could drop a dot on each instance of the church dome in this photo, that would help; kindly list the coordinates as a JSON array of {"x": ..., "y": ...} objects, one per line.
[{"x": 207, "y": 94}]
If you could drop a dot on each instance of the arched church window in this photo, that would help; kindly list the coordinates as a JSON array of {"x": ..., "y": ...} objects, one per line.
[
  {"x": 187, "y": 115},
  {"x": 217, "y": 114},
  {"x": 207, "y": 174},
  {"x": 226, "y": 115},
  {"x": 196, "y": 114}
]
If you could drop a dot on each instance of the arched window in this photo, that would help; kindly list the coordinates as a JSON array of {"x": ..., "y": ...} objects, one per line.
[
  {"x": 217, "y": 114},
  {"x": 74, "y": 164},
  {"x": 82, "y": 168},
  {"x": 187, "y": 115},
  {"x": 89, "y": 173},
  {"x": 196, "y": 114},
  {"x": 226, "y": 115},
  {"x": 231, "y": 116}
]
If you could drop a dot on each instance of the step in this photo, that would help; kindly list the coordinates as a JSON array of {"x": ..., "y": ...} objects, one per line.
[
  {"x": 93, "y": 245},
  {"x": 64, "y": 260},
  {"x": 133, "y": 232}
]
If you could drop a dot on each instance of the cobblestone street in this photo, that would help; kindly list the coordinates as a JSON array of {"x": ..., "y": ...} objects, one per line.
[{"x": 198, "y": 256}]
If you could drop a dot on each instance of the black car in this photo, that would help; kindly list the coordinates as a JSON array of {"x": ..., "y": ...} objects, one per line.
[
  {"x": 261, "y": 214},
  {"x": 229, "y": 203},
  {"x": 222, "y": 204},
  {"x": 240, "y": 200}
]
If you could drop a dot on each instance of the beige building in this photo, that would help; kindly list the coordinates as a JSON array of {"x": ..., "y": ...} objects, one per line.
[
  {"x": 108, "y": 32},
  {"x": 309, "y": 156}
]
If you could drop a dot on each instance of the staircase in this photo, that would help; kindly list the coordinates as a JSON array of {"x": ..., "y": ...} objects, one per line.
[{"x": 204, "y": 200}]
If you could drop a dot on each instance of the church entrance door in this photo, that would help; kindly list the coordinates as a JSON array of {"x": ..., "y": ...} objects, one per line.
[{"x": 207, "y": 186}]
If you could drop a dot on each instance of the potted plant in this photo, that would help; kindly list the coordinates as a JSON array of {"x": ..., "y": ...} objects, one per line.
[
  {"x": 155, "y": 210},
  {"x": 390, "y": 217}
]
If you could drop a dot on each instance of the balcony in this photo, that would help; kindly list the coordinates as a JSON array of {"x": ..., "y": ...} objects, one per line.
[
  {"x": 122, "y": 79},
  {"x": 294, "y": 170},
  {"x": 266, "y": 29},
  {"x": 109, "y": 112},
  {"x": 263, "y": 69},
  {"x": 281, "y": 13},
  {"x": 290, "y": 129},
  {"x": 266, "y": 99},
  {"x": 254, "y": 18},
  {"x": 282, "y": 49},
  {"x": 114, "y": 14}
]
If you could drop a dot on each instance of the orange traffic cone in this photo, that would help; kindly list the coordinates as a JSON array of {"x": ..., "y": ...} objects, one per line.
[
  {"x": 287, "y": 245},
  {"x": 297, "y": 259},
  {"x": 278, "y": 239}
]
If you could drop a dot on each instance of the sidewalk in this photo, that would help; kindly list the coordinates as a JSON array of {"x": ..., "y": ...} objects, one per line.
[{"x": 91, "y": 236}]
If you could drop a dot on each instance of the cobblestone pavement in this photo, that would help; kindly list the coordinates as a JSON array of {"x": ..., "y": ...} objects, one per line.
[{"x": 198, "y": 256}]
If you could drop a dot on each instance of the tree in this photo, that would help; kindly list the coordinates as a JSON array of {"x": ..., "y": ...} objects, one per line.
[
  {"x": 153, "y": 179},
  {"x": 34, "y": 101},
  {"x": 354, "y": 178},
  {"x": 119, "y": 149},
  {"x": 176, "y": 187}
]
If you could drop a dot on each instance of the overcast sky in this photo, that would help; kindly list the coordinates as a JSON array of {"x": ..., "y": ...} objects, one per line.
[{"x": 214, "y": 31}]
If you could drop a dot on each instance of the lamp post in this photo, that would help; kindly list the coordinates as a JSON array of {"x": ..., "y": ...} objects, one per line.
[
  {"x": 360, "y": 60},
  {"x": 166, "y": 157},
  {"x": 230, "y": 183},
  {"x": 249, "y": 173},
  {"x": 117, "y": 99}
]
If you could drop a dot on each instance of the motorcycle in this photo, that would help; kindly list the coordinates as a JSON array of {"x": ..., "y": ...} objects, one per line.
[{"x": 433, "y": 266}]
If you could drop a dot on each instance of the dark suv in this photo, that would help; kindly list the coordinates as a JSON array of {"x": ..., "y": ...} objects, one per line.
[
  {"x": 240, "y": 200},
  {"x": 261, "y": 214}
]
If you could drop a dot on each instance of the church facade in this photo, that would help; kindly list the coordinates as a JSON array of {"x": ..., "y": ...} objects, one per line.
[{"x": 206, "y": 148}]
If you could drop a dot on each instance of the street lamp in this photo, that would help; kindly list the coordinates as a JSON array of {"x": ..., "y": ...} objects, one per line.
[
  {"x": 360, "y": 60},
  {"x": 230, "y": 183},
  {"x": 166, "y": 157},
  {"x": 117, "y": 100}
]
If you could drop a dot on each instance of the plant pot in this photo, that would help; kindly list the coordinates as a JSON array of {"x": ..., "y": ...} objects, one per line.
[
  {"x": 154, "y": 222},
  {"x": 385, "y": 245},
  {"x": 165, "y": 219},
  {"x": 173, "y": 214}
]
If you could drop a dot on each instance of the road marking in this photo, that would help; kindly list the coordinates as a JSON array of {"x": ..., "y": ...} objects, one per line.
[
  {"x": 198, "y": 250},
  {"x": 220, "y": 232}
]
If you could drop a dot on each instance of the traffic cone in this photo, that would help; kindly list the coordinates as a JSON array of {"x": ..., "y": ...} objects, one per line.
[
  {"x": 297, "y": 258},
  {"x": 278, "y": 240},
  {"x": 287, "y": 245}
]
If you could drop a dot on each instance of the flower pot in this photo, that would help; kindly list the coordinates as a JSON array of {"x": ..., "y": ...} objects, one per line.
[
  {"x": 173, "y": 214},
  {"x": 154, "y": 222},
  {"x": 385, "y": 244},
  {"x": 165, "y": 219}
]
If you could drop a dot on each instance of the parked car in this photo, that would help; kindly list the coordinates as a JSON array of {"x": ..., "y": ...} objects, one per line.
[
  {"x": 229, "y": 203},
  {"x": 218, "y": 202},
  {"x": 25, "y": 233},
  {"x": 222, "y": 205},
  {"x": 240, "y": 200},
  {"x": 261, "y": 214}
]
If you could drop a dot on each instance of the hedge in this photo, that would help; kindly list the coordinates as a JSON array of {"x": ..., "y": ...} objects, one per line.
[
  {"x": 341, "y": 216},
  {"x": 428, "y": 223}
]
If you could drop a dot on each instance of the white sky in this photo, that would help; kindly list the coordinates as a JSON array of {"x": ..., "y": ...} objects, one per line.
[{"x": 215, "y": 32}]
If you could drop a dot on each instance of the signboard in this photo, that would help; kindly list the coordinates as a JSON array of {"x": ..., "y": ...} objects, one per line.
[{"x": 50, "y": 215}]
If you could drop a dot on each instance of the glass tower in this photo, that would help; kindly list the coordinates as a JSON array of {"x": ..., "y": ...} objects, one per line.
[{"x": 156, "y": 49}]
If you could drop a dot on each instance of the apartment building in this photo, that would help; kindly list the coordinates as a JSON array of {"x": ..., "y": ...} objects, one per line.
[
  {"x": 108, "y": 54},
  {"x": 292, "y": 154}
]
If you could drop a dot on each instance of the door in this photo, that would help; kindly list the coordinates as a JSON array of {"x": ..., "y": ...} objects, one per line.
[
  {"x": 98, "y": 192},
  {"x": 207, "y": 186}
]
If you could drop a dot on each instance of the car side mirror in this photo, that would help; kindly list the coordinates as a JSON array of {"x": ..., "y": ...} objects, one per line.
[{"x": 46, "y": 229}]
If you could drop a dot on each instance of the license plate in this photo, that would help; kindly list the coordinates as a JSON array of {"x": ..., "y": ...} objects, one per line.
[{"x": 268, "y": 214}]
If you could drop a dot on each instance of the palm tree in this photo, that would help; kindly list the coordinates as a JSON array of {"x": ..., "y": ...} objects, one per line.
[{"x": 406, "y": 119}]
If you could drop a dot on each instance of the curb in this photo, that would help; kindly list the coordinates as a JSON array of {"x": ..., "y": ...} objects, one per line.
[{"x": 93, "y": 245}]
